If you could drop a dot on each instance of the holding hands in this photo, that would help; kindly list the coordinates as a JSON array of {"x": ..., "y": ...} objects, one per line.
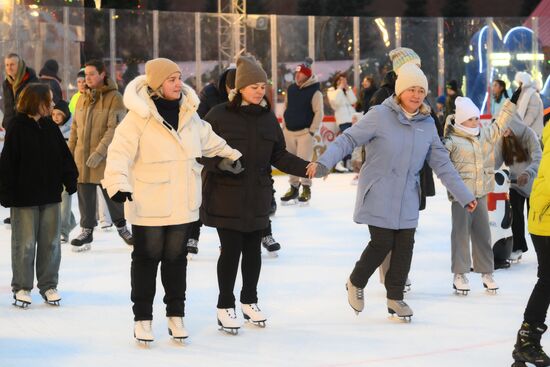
[{"x": 317, "y": 170}]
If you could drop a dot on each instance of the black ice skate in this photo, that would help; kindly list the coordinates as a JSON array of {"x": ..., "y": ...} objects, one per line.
[
  {"x": 272, "y": 246},
  {"x": 528, "y": 348},
  {"x": 289, "y": 198},
  {"x": 400, "y": 308},
  {"x": 305, "y": 196},
  {"x": 82, "y": 242},
  {"x": 22, "y": 298}
]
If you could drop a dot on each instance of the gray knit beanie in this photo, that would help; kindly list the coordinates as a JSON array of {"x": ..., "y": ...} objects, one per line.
[{"x": 249, "y": 71}]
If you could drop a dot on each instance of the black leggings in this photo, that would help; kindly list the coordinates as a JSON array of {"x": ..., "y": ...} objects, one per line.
[
  {"x": 517, "y": 202},
  {"x": 233, "y": 243},
  {"x": 383, "y": 240},
  {"x": 167, "y": 245},
  {"x": 537, "y": 307}
]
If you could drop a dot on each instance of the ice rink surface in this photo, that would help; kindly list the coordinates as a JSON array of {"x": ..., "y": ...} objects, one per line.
[{"x": 310, "y": 323}]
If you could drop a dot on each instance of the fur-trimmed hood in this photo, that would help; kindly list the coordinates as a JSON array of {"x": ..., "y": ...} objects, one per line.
[{"x": 137, "y": 99}]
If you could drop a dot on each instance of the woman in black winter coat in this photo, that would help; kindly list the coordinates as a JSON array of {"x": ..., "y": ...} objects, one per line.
[
  {"x": 237, "y": 195},
  {"x": 35, "y": 165}
]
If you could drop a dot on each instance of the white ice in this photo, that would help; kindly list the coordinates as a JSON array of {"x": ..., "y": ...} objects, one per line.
[{"x": 302, "y": 291}]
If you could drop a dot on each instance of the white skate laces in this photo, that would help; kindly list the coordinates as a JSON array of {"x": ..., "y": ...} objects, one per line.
[{"x": 268, "y": 241}]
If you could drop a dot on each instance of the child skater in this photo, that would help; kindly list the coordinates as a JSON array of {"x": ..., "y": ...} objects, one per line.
[{"x": 471, "y": 151}]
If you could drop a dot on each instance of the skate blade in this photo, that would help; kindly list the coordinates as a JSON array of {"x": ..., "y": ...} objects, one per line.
[
  {"x": 21, "y": 304},
  {"x": 491, "y": 291},
  {"x": 273, "y": 254},
  {"x": 303, "y": 203},
  {"x": 460, "y": 292},
  {"x": 178, "y": 339},
  {"x": 259, "y": 323},
  {"x": 406, "y": 318},
  {"x": 54, "y": 303},
  {"x": 407, "y": 288},
  {"x": 83, "y": 248},
  {"x": 289, "y": 203},
  {"x": 143, "y": 342},
  {"x": 228, "y": 330}
]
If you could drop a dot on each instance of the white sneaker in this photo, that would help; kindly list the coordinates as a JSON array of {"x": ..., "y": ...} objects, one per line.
[
  {"x": 252, "y": 313},
  {"x": 461, "y": 283},
  {"x": 176, "y": 328},
  {"x": 340, "y": 167},
  {"x": 22, "y": 298},
  {"x": 227, "y": 320},
  {"x": 489, "y": 281},
  {"x": 143, "y": 331},
  {"x": 52, "y": 297}
]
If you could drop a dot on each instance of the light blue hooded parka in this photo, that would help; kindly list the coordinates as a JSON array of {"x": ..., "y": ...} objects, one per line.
[{"x": 388, "y": 192}]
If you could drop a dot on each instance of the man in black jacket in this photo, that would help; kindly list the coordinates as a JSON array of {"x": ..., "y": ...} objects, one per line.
[
  {"x": 18, "y": 75},
  {"x": 212, "y": 94}
]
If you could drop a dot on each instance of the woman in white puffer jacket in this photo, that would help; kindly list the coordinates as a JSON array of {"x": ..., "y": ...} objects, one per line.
[
  {"x": 341, "y": 99},
  {"x": 151, "y": 165}
]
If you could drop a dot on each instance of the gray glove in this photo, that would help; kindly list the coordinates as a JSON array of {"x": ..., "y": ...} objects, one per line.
[
  {"x": 228, "y": 165},
  {"x": 94, "y": 160},
  {"x": 321, "y": 171}
]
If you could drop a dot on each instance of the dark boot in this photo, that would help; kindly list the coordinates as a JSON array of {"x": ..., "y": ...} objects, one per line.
[
  {"x": 291, "y": 194},
  {"x": 528, "y": 348},
  {"x": 82, "y": 241},
  {"x": 305, "y": 196}
]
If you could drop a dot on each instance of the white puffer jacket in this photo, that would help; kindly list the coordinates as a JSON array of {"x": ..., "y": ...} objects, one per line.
[
  {"x": 342, "y": 104},
  {"x": 156, "y": 163}
]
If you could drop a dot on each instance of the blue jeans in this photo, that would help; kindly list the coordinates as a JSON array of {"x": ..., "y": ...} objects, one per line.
[
  {"x": 35, "y": 232},
  {"x": 68, "y": 221}
]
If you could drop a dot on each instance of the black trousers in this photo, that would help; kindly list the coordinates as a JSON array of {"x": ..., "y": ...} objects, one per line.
[
  {"x": 167, "y": 245},
  {"x": 537, "y": 307},
  {"x": 87, "y": 197},
  {"x": 195, "y": 230},
  {"x": 382, "y": 240},
  {"x": 233, "y": 243},
  {"x": 517, "y": 202}
]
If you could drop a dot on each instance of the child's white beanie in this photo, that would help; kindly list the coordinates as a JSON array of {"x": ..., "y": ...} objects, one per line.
[
  {"x": 465, "y": 109},
  {"x": 410, "y": 75}
]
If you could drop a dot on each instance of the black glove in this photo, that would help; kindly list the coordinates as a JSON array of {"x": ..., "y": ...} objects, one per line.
[
  {"x": 121, "y": 196},
  {"x": 515, "y": 96},
  {"x": 234, "y": 167}
]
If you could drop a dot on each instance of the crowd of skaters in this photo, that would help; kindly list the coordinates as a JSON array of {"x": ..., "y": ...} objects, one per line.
[{"x": 215, "y": 164}]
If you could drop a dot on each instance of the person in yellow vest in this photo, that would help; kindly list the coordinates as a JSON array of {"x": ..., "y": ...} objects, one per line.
[
  {"x": 80, "y": 89},
  {"x": 528, "y": 348}
]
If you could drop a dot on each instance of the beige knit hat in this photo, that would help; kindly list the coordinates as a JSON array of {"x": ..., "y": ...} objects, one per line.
[
  {"x": 249, "y": 71},
  {"x": 410, "y": 75},
  {"x": 403, "y": 55},
  {"x": 158, "y": 70}
]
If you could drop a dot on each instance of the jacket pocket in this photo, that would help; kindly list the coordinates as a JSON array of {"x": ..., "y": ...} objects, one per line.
[
  {"x": 152, "y": 194},
  {"x": 194, "y": 186}
]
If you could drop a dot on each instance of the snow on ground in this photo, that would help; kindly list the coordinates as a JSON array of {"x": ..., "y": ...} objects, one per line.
[{"x": 302, "y": 291}]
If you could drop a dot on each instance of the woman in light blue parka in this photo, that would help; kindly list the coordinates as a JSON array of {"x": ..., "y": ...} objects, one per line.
[{"x": 399, "y": 136}]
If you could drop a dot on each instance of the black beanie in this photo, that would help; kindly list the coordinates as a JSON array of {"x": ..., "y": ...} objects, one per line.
[
  {"x": 453, "y": 84},
  {"x": 62, "y": 106},
  {"x": 50, "y": 68}
]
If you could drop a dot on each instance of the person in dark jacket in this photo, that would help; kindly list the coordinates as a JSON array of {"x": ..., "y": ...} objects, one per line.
[
  {"x": 452, "y": 92},
  {"x": 18, "y": 75},
  {"x": 35, "y": 164},
  {"x": 49, "y": 75},
  {"x": 367, "y": 92},
  {"x": 387, "y": 87},
  {"x": 212, "y": 94},
  {"x": 210, "y": 97},
  {"x": 238, "y": 205}
]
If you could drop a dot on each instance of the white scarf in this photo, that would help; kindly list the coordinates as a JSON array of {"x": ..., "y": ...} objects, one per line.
[
  {"x": 409, "y": 115},
  {"x": 473, "y": 131},
  {"x": 523, "y": 101}
]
